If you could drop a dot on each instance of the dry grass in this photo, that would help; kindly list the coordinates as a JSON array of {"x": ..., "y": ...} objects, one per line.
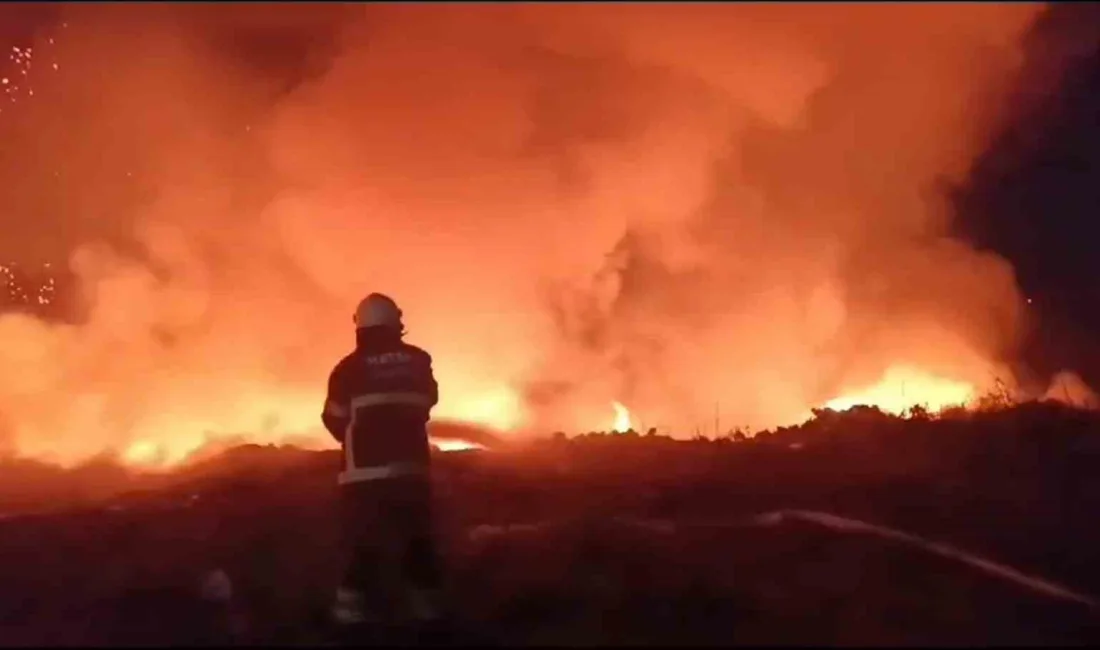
[{"x": 1018, "y": 485}]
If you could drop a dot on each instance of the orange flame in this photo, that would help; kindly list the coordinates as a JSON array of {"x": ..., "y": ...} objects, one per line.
[
  {"x": 457, "y": 445},
  {"x": 622, "y": 422},
  {"x": 903, "y": 387}
]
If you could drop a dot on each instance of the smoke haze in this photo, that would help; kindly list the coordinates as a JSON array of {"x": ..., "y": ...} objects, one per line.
[{"x": 675, "y": 207}]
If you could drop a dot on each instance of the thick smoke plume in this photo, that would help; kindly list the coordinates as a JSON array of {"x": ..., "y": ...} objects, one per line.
[{"x": 682, "y": 208}]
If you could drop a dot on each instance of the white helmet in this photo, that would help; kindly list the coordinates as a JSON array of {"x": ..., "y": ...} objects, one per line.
[{"x": 378, "y": 310}]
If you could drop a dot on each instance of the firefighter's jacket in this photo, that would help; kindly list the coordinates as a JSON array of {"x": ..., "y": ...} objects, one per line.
[{"x": 378, "y": 404}]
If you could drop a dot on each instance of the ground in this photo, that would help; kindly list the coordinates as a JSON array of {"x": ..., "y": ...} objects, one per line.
[{"x": 601, "y": 540}]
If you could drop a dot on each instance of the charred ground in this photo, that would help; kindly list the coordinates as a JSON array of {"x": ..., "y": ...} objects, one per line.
[{"x": 599, "y": 539}]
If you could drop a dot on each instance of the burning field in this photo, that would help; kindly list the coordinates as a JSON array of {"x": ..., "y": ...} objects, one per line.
[
  {"x": 727, "y": 228},
  {"x": 714, "y": 217}
]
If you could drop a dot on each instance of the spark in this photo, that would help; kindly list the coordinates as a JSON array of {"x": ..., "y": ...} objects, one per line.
[
  {"x": 24, "y": 291},
  {"x": 18, "y": 83}
]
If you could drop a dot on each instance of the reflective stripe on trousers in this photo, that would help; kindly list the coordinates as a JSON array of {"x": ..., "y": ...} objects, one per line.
[
  {"x": 350, "y": 607},
  {"x": 393, "y": 470}
]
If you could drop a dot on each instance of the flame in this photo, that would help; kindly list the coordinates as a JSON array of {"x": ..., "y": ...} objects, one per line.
[
  {"x": 255, "y": 414},
  {"x": 149, "y": 454},
  {"x": 456, "y": 445},
  {"x": 163, "y": 455},
  {"x": 622, "y": 418},
  {"x": 497, "y": 408},
  {"x": 173, "y": 441},
  {"x": 899, "y": 389},
  {"x": 903, "y": 387},
  {"x": 213, "y": 324}
]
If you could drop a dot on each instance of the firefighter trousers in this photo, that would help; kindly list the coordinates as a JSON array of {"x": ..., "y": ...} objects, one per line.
[{"x": 394, "y": 571}]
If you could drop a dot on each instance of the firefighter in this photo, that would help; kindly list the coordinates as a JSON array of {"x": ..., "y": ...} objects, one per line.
[{"x": 378, "y": 405}]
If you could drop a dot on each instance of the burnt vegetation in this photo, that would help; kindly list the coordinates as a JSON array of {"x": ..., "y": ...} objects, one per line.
[{"x": 596, "y": 539}]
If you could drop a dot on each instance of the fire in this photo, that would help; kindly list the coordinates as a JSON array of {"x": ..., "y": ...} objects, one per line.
[
  {"x": 900, "y": 388},
  {"x": 212, "y": 297},
  {"x": 149, "y": 454},
  {"x": 154, "y": 455},
  {"x": 170, "y": 442},
  {"x": 622, "y": 418},
  {"x": 903, "y": 387},
  {"x": 497, "y": 408},
  {"x": 456, "y": 445}
]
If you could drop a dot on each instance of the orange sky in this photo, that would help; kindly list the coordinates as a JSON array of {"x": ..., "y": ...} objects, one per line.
[{"x": 672, "y": 207}]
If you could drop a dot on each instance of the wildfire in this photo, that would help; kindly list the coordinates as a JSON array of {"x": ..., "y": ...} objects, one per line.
[
  {"x": 216, "y": 322},
  {"x": 903, "y": 387},
  {"x": 622, "y": 418}
]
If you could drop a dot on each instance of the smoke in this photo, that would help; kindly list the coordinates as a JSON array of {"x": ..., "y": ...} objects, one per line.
[
  {"x": 675, "y": 207},
  {"x": 809, "y": 248}
]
